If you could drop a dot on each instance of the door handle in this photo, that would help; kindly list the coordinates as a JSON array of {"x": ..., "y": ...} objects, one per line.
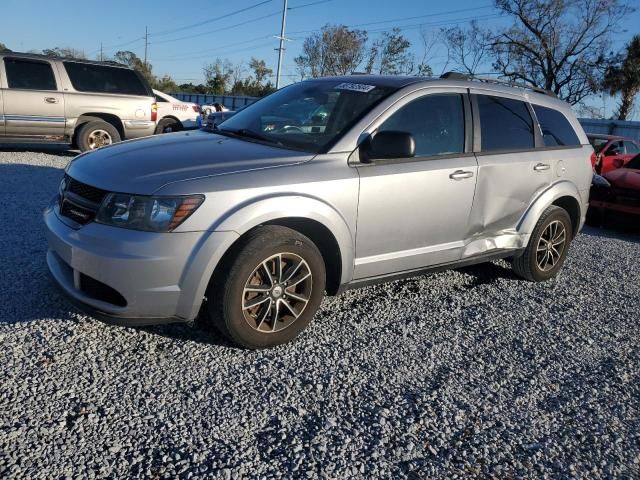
[
  {"x": 460, "y": 174},
  {"x": 50, "y": 99},
  {"x": 542, "y": 166}
]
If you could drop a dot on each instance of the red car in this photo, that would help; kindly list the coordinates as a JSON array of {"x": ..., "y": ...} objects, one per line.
[
  {"x": 611, "y": 152},
  {"x": 617, "y": 191}
]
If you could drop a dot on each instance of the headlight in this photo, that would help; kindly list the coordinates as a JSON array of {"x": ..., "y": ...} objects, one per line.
[{"x": 151, "y": 214}]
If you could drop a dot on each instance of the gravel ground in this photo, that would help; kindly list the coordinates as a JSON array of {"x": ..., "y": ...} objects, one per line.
[{"x": 468, "y": 373}]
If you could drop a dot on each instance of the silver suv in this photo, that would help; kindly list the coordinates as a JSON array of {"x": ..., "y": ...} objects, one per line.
[
  {"x": 85, "y": 103},
  {"x": 256, "y": 219}
]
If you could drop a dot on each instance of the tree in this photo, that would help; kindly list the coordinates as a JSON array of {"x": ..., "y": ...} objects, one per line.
[
  {"x": 260, "y": 69},
  {"x": 335, "y": 50},
  {"x": 64, "y": 52},
  {"x": 133, "y": 61},
  {"x": 217, "y": 76},
  {"x": 556, "y": 44},
  {"x": 623, "y": 77},
  {"x": 4, "y": 48},
  {"x": 390, "y": 55},
  {"x": 165, "y": 84},
  {"x": 467, "y": 48}
]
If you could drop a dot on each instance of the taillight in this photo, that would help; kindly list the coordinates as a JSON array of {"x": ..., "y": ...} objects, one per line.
[
  {"x": 154, "y": 112},
  {"x": 196, "y": 108}
]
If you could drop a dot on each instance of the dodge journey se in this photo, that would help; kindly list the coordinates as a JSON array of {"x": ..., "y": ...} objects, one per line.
[{"x": 325, "y": 185}]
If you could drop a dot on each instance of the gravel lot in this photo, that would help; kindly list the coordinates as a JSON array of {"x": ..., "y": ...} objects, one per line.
[{"x": 469, "y": 373}]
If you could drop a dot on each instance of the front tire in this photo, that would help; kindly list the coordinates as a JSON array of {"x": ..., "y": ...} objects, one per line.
[
  {"x": 271, "y": 289},
  {"x": 96, "y": 134},
  {"x": 547, "y": 248}
]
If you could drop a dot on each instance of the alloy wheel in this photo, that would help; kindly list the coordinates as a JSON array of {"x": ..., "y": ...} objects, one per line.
[
  {"x": 551, "y": 245},
  {"x": 277, "y": 292}
]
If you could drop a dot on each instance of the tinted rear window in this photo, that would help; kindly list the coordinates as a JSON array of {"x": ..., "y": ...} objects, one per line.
[
  {"x": 29, "y": 75},
  {"x": 102, "y": 79},
  {"x": 556, "y": 129},
  {"x": 505, "y": 124}
]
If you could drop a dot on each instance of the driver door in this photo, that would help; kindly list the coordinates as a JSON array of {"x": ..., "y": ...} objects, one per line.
[{"x": 414, "y": 212}]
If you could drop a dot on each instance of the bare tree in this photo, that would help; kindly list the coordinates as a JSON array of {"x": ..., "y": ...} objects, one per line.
[
  {"x": 623, "y": 77},
  {"x": 391, "y": 55},
  {"x": 556, "y": 44},
  {"x": 467, "y": 48},
  {"x": 335, "y": 50}
]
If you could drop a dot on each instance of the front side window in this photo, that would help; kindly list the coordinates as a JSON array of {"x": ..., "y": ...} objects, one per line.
[
  {"x": 505, "y": 124},
  {"x": 615, "y": 148},
  {"x": 598, "y": 143},
  {"x": 29, "y": 75},
  {"x": 87, "y": 77},
  {"x": 309, "y": 116},
  {"x": 435, "y": 121},
  {"x": 556, "y": 129}
]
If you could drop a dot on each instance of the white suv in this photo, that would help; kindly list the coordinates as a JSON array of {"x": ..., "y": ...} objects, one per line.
[{"x": 175, "y": 115}]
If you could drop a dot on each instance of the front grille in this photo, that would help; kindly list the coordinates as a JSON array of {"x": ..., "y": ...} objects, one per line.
[
  {"x": 76, "y": 213},
  {"x": 88, "y": 192},
  {"x": 80, "y": 202}
]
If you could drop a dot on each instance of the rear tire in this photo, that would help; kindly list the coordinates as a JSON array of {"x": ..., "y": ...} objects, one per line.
[
  {"x": 547, "y": 248},
  {"x": 269, "y": 292},
  {"x": 168, "y": 125},
  {"x": 96, "y": 134}
]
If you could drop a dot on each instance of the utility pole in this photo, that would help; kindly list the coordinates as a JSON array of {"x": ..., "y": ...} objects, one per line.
[
  {"x": 146, "y": 43},
  {"x": 281, "y": 48}
]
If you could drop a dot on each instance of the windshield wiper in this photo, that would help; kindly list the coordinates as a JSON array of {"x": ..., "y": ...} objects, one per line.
[{"x": 245, "y": 132}]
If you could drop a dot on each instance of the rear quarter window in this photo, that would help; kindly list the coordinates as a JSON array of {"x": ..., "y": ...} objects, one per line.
[
  {"x": 86, "y": 77},
  {"x": 556, "y": 129}
]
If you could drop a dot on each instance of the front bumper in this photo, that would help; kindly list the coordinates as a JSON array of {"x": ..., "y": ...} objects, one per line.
[{"x": 130, "y": 277}]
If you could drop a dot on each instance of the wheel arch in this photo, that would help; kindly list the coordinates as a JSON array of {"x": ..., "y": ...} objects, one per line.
[
  {"x": 309, "y": 216},
  {"x": 565, "y": 195},
  {"x": 107, "y": 117}
]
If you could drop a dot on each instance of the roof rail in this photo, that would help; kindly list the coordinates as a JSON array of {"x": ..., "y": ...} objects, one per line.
[
  {"x": 465, "y": 76},
  {"x": 61, "y": 57}
]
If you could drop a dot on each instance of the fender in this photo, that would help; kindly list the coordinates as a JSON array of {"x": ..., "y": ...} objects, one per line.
[
  {"x": 232, "y": 225},
  {"x": 563, "y": 188},
  {"x": 269, "y": 208}
]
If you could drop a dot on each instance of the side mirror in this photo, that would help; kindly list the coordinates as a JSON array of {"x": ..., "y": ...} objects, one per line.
[{"x": 388, "y": 144}]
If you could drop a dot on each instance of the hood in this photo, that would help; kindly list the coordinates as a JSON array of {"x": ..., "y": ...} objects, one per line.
[
  {"x": 145, "y": 165},
  {"x": 627, "y": 178}
]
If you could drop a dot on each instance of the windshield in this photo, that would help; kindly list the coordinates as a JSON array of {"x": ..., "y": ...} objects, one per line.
[
  {"x": 633, "y": 163},
  {"x": 309, "y": 116},
  {"x": 598, "y": 143}
]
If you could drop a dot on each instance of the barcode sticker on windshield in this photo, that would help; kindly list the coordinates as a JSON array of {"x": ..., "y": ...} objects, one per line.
[{"x": 355, "y": 87}]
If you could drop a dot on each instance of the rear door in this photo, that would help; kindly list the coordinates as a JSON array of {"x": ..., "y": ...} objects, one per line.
[
  {"x": 510, "y": 172},
  {"x": 33, "y": 105}
]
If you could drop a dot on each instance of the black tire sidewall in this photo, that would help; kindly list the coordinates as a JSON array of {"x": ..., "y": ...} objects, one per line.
[
  {"x": 82, "y": 138},
  {"x": 254, "y": 252},
  {"x": 164, "y": 123},
  {"x": 538, "y": 274}
]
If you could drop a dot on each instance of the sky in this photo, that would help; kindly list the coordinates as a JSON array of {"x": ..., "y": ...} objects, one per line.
[{"x": 184, "y": 38}]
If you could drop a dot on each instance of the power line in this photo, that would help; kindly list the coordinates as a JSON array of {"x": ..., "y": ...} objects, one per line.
[{"x": 213, "y": 19}]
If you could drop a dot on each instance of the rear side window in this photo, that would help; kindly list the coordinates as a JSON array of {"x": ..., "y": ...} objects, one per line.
[
  {"x": 505, "y": 124},
  {"x": 556, "y": 129},
  {"x": 435, "y": 121},
  {"x": 86, "y": 77},
  {"x": 29, "y": 75},
  {"x": 160, "y": 99}
]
